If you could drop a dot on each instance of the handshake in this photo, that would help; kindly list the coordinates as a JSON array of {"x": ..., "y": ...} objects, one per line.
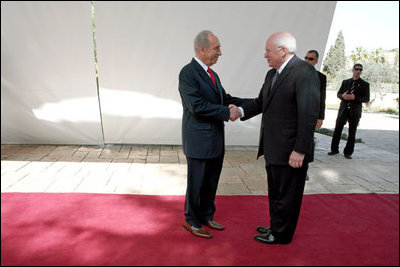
[{"x": 234, "y": 112}]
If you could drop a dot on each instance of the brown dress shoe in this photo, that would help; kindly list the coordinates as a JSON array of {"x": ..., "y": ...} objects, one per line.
[
  {"x": 199, "y": 232},
  {"x": 214, "y": 225}
]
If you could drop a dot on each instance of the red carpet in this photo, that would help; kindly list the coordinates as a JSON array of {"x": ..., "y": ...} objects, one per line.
[{"x": 104, "y": 229}]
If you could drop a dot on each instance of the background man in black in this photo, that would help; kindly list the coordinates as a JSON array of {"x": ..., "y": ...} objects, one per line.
[
  {"x": 353, "y": 93},
  {"x": 312, "y": 58}
]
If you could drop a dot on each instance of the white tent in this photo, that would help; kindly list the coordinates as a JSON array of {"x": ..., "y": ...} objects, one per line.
[{"x": 49, "y": 93}]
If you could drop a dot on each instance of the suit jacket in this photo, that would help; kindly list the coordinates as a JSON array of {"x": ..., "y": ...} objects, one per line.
[
  {"x": 322, "y": 89},
  {"x": 289, "y": 112},
  {"x": 361, "y": 93},
  {"x": 205, "y": 108}
]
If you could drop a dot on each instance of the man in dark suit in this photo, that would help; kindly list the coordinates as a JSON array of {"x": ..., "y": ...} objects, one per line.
[
  {"x": 353, "y": 92},
  {"x": 312, "y": 58},
  {"x": 289, "y": 103},
  {"x": 206, "y": 106}
]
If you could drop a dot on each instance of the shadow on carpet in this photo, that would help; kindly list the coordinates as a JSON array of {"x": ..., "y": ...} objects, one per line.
[{"x": 108, "y": 229}]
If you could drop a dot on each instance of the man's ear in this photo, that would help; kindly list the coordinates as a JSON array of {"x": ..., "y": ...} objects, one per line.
[
  {"x": 201, "y": 49},
  {"x": 285, "y": 51}
]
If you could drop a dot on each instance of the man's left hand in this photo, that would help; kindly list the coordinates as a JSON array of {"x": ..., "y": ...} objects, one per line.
[
  {"x": 296, "y": 159},
  {"x": 319, "y": 123}
]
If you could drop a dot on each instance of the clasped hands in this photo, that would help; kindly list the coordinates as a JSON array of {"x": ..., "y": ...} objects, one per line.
[
  {"x": 234, "y": 112},
  {"x": 348, "y": 96},
  {"x": 295, "y": 159}
]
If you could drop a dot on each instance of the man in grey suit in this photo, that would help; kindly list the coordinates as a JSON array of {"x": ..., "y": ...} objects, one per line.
[
  {"x": 289, "y": 103},
  {"x": 206, "y": 106}
]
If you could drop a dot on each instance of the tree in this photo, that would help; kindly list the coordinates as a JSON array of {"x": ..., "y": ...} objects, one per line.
[
  {"x": 377, "y": 69},
  {"x": 378, "y": 56},
  {"x": 336, "y": 58},
  {"x": 360, "y": 55},
  {"x": 396, "y": 57},
  {"x": 379, "y": 75}
]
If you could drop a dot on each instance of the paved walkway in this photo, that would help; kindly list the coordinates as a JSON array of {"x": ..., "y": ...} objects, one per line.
[
  {"x": 379, "y": 131},
  {"x": 139, "y": 169}
]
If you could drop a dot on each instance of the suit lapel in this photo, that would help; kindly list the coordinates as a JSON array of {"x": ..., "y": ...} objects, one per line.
[
  {"x": 207, "y": 78},
  {"x": 204, "y": 75},
  {"x": 268, "y": 89},
  {"x": 357, "y": 87},
  {"x": 219, "y": 88},
  {"x": 278, "y": 81}
]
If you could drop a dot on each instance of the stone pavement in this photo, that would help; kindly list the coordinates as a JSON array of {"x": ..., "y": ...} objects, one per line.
[
  {"x": 161, "y": 170},
  {"x": 377, "y": 130}
]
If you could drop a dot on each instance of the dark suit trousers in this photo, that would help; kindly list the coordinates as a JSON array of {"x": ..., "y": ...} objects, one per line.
[
  {"x": 285, "y": 194},
  {"x": 202, "y": 182},
  {"x": 353, "y": 118}
]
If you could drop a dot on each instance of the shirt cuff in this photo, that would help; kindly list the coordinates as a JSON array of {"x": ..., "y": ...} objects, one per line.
[{"x": 241, "y": 112}]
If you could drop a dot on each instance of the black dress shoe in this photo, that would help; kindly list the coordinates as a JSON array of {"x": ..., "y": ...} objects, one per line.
[
  {"x": 264, "y": 229},
  {"x": 266, "y": 238},
  {"x": 332, "y": 153},
  {"x": 348, "y": 156}
]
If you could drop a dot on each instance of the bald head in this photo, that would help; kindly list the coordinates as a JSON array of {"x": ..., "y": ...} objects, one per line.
[
  {"x": 284, "y": 39},
  {"x": 279, "y": 47}
]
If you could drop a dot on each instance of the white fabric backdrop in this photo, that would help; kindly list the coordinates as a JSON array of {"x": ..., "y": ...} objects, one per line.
[
  {"x": 48, "y": 82},
  {"x": 141, "y": 48}
]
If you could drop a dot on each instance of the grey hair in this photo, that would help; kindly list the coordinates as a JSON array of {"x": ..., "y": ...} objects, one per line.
[
  {"x": 202, "y": 40},
  {"x": 287, "y": 40}
]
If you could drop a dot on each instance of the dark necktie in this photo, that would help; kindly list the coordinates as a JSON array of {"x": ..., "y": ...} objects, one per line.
[
  {"x": 273, "y": 81},
  {"x": 212, "y": 76},
  {"x": 353, "y": 86},
  {"x": 274, "y": 78},
  {"x": 351, "y": 91}
]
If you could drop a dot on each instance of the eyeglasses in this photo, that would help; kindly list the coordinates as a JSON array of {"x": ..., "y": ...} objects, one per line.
[
  {"x": 309, "y": 58},
  {"x": 358, "y": 69}
]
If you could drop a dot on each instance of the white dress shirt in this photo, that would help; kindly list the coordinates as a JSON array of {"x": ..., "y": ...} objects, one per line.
[
  {"x": 279, "y": 71},
  {"x": 204, "y": 66}
]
